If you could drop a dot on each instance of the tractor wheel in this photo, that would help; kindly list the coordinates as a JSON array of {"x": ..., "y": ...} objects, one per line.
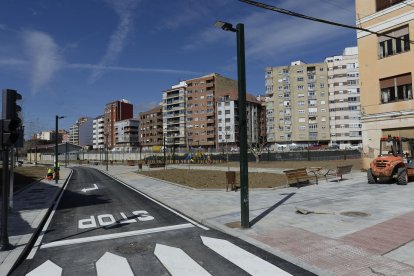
[
  {"x": 402, "y": 178},
  {"x": 371, "y": 178}
]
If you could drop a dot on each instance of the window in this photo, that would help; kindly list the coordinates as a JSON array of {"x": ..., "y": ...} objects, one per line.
[
  {"x": 300, "y": 79},
  {"x": 389, "y": 46},
  {"x": 300, "y": 87},
  {"x": 227, "y": 111},
  {"x": 383, "y": 4},
  {"x": 302, "y": 120},
  {"x": 398, "y": 88}
]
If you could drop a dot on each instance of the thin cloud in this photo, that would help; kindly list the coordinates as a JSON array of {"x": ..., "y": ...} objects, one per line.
[
  {"x": 124, "y": 9},
  {"x": 43, "y": 56},
  {"x": 269, "y": 34},
  {"x": 103, "y": 68},
  {"x": 13, "y": 61}
]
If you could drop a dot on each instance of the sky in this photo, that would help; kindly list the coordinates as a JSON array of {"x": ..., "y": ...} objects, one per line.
[{"x": 71, "y": 57}]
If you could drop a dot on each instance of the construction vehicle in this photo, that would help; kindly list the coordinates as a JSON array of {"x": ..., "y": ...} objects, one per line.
[{"x": 395, "y": 161}]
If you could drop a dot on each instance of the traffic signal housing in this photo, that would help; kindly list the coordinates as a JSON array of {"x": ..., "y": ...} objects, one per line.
[{"x": 11, "y": 123}]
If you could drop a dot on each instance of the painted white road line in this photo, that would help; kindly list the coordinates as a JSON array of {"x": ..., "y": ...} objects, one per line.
[
  {"x": 48, "y": 268},
  {"x": 39, "y": 239},
  {"x": 110, "y": 264},
  {"x": 156, "y": 201},
  {"x": 177, "y": 262},
  {"x": 95, "y": 187},
  {"x": 116, "y": 235},
  {"x": 248, "y": 262}
]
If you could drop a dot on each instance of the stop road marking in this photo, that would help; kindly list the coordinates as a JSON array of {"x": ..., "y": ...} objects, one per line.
[{"x": 108, "y": 219}]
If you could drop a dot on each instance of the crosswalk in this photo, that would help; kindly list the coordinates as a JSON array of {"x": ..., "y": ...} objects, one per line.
[{"x": 176, "y": 262}]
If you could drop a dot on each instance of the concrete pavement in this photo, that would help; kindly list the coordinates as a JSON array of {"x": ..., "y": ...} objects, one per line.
[
  {"x": 31, "y": 206},
  {"x": 352, "y": 228}
]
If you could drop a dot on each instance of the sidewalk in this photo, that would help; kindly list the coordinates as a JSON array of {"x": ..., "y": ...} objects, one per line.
[
  {"x": 31, "y": 205},
  {"x": 353, "y": 228}
]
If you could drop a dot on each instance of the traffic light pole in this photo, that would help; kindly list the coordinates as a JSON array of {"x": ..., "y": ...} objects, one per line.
[
  {"x": 4, "y": 239},
  {"x": 11, "y": 177}
]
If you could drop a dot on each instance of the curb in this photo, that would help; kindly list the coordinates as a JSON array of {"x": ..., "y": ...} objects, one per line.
[
  {"x": 208, "y": 222},
  {"x": 43, "y": 216}
]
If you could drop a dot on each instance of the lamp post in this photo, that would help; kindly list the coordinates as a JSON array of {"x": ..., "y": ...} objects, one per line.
[
  {"x": 106, "y": 151},
  {"x": 56, "y": 148},
  {"x": 241, "y": 76}
]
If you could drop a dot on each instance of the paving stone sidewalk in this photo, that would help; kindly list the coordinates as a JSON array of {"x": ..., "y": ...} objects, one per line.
[
  {"x": 31, "y": 205},
  {"x": 352, "y": 228}
]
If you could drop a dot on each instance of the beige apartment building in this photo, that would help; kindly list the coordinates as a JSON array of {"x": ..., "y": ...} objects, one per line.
[
  {"x": 344, "y": 99},
  {"x": 298, "y": 109},
  {"x": 386, "y": 69},
  {"x": 189, "y": 112}
]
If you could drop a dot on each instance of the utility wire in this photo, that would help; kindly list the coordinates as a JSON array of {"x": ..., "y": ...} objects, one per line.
[{"x": 295, "y": 14}]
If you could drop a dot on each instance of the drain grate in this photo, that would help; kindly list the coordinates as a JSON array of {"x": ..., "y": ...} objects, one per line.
[{"x": 355, "y": 214}]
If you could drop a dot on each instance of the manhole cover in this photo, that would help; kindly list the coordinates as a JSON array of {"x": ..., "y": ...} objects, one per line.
[
  {"x": 355, "y": 214},
  {"x": 132, "y": 248}
]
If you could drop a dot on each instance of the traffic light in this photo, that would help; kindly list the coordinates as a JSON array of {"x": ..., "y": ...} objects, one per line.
[{"x": 11, "y": 124}]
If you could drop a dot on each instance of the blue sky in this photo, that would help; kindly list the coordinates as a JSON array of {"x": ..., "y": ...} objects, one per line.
[{"x": 70, "y": 57}]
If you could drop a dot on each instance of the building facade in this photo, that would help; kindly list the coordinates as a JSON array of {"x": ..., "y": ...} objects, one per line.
[
  {"x": 386, "y": 71},
  {"x": 98, "y": 132},
  {"x": 81, "y": 133},
  {"x": 344, "y": 99},
  {"x": 114, "y": 112},
  {"x": 127, "y": 133},
  {"x": 190, "y": 110},
  {"x": 174, "y": 115},
  {"x": 228, "y": 120},
  {"x": 151, "y": 128},
  {"x": 298, "y": 110}
]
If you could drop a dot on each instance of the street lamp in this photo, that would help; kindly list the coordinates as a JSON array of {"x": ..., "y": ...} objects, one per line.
[
  {"x": 241, "y": 76},
  {"x": 56, "y": 148}
]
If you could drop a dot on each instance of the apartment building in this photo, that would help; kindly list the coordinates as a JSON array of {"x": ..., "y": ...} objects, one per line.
[
  {"x": 114, "y": 112},
  {"x": 191, "y": 103},
  {"x": 50, "y": 135},
  {"x": 151, "y": 128},
  {"x": 386, "y": 71},
  {"x": 299, "y": 107},
  {"x": 81, "y": 133},
  {"x": 228, "y": 120},
  {"x": 344, "y": 99},
  {"x": 98, "y": 132},
  {"x": 126, "y": 134},
  {"x": 174, "y": 115}
]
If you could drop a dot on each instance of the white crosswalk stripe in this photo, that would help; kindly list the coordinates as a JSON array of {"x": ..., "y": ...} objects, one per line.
[
  {"x": 110, "y": 264},
  {"x": 48, "y": 268},
  {"x": 177, "y": 262},
  {"x": 243, "y": 259}
]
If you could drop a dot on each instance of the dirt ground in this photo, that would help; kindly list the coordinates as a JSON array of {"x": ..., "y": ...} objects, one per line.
[
  {"x": 26, "y": 175},
  {"x": 201, "y": 179},
  {"x": 330, "y": 164}
]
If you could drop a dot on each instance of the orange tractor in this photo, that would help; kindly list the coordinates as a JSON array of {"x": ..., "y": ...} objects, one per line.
[{"x": 396, "y": 160}]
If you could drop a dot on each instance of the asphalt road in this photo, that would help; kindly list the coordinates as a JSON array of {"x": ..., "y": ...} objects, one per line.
[{"x": 102, "y": 227}]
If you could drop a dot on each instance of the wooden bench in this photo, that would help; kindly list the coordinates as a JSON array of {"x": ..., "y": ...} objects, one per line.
[
  {"x": 299, "y": 176},
  {"x": 156, "y": 165},
  {"x": 340, "y": 170}
]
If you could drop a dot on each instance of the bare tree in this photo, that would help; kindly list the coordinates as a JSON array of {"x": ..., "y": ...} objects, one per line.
[{"x": 257, "y": 148}]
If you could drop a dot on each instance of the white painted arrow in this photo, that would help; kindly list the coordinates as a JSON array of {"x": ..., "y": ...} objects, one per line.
[
  {"x": 177, "y": 262},
  {"x": 243, "y": 259},
  {"x": 48, "y": 268},
  {"x": 110, "y": 264},
  {"x": 90, "y": 189}
]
